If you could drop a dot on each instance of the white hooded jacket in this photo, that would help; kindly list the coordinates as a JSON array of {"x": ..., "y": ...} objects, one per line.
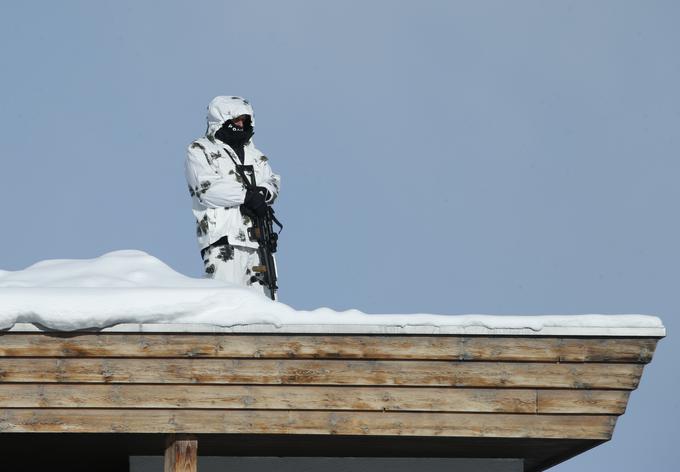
[{"x": 215, "y": 186}]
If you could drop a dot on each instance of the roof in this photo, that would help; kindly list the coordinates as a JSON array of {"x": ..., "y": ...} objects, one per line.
[{"x": 610, "y": 325}]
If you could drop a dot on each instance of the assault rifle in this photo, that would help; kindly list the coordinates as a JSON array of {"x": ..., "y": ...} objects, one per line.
[
  {"x": 263, "y": 232},
  {"x": 267, "y": 240}
]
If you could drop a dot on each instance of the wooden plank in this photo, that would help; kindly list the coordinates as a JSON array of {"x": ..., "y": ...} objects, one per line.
[
  {"x": 321, "y": 372},
  {"x": 628, "y": 350},
  {"x": 583, "y": 401},
  {"x": 181, "y": 453},
  {"x": 229, "y": 346},
  {"x": 308, "y": 422},
  {"x": 473, "y": 348},
  {"x": 269, "y": 397}
]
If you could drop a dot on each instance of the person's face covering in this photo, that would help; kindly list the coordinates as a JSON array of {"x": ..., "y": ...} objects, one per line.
[{"x": 236, "y": 131}]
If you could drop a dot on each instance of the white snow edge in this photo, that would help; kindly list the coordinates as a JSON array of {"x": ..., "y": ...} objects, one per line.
[
  {"x": 320, "y": 329},
  {"x": 131, "y": 291}
]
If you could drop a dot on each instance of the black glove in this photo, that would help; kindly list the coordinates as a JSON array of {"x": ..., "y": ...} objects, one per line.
[
  {"x": 255, "y": 202},
  {"x": 265, "y": 193}
]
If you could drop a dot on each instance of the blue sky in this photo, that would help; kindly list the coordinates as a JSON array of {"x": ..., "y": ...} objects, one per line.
[{"x": 446, "y": 157}]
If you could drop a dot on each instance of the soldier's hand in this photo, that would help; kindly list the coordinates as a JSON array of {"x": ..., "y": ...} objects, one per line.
[
  {"x": 265, "y": 193},
  {"x": 255, "y": 201}
]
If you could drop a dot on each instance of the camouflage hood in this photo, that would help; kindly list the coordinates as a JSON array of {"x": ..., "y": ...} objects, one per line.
[
  {"x": 224, "y": 108},
  {"x": 217, "y": 190}
]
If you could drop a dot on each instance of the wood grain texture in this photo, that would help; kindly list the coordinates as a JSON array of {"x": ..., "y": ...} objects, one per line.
[
  {"x": 450, "y": 386},
  {"x": 322, "y": 372},
  {"x": 627, "y": 350},
  {"x": 308, "y": 422},
  {"x": 471, "y": 348},
  {"x": 181, "y": 453},
  {"x": 461, "y": 400},
  {"x": 269, "y": 397},
  {"x": 582, "y": 401}
]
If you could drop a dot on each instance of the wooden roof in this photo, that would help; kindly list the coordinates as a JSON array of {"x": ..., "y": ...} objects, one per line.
[{"x": 538, "y": 397}]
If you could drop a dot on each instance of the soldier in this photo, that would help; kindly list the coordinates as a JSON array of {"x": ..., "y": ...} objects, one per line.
[{"x": 221, "y": 202}]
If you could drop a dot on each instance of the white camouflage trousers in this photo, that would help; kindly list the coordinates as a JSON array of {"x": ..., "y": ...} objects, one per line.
[{"x": 233, "y": 264}]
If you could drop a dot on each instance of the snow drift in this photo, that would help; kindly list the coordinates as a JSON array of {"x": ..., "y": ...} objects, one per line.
[{"x": 134, "y": 287}]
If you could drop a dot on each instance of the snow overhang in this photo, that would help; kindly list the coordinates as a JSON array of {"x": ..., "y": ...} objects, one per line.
[{"x": 571, "y": 327}]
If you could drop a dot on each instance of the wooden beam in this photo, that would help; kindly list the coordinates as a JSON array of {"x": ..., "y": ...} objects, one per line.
[
  {"x": 322, "y": 372},
  {"x": 181, "y": 453},
  {"x": 473, "y": 348},
  {"x": 368, "y": 423},
  {"x": 582, "y": 401},
  {"x": 486, "y": 400},
  {"x": 629, "y": 350}
]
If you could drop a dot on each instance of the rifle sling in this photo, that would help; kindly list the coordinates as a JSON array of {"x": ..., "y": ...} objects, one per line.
[{"x": 252, "y": 185}]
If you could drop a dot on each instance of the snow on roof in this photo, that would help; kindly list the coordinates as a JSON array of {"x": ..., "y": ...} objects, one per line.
[{"x": 133, "y": 291}]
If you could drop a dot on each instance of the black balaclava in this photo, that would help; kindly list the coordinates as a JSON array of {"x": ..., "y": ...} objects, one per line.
[{"x": 236, "y": 137}]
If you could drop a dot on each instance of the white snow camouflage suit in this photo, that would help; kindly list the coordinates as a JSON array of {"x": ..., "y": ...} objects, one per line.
[{"x": 217, "y": 192}]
